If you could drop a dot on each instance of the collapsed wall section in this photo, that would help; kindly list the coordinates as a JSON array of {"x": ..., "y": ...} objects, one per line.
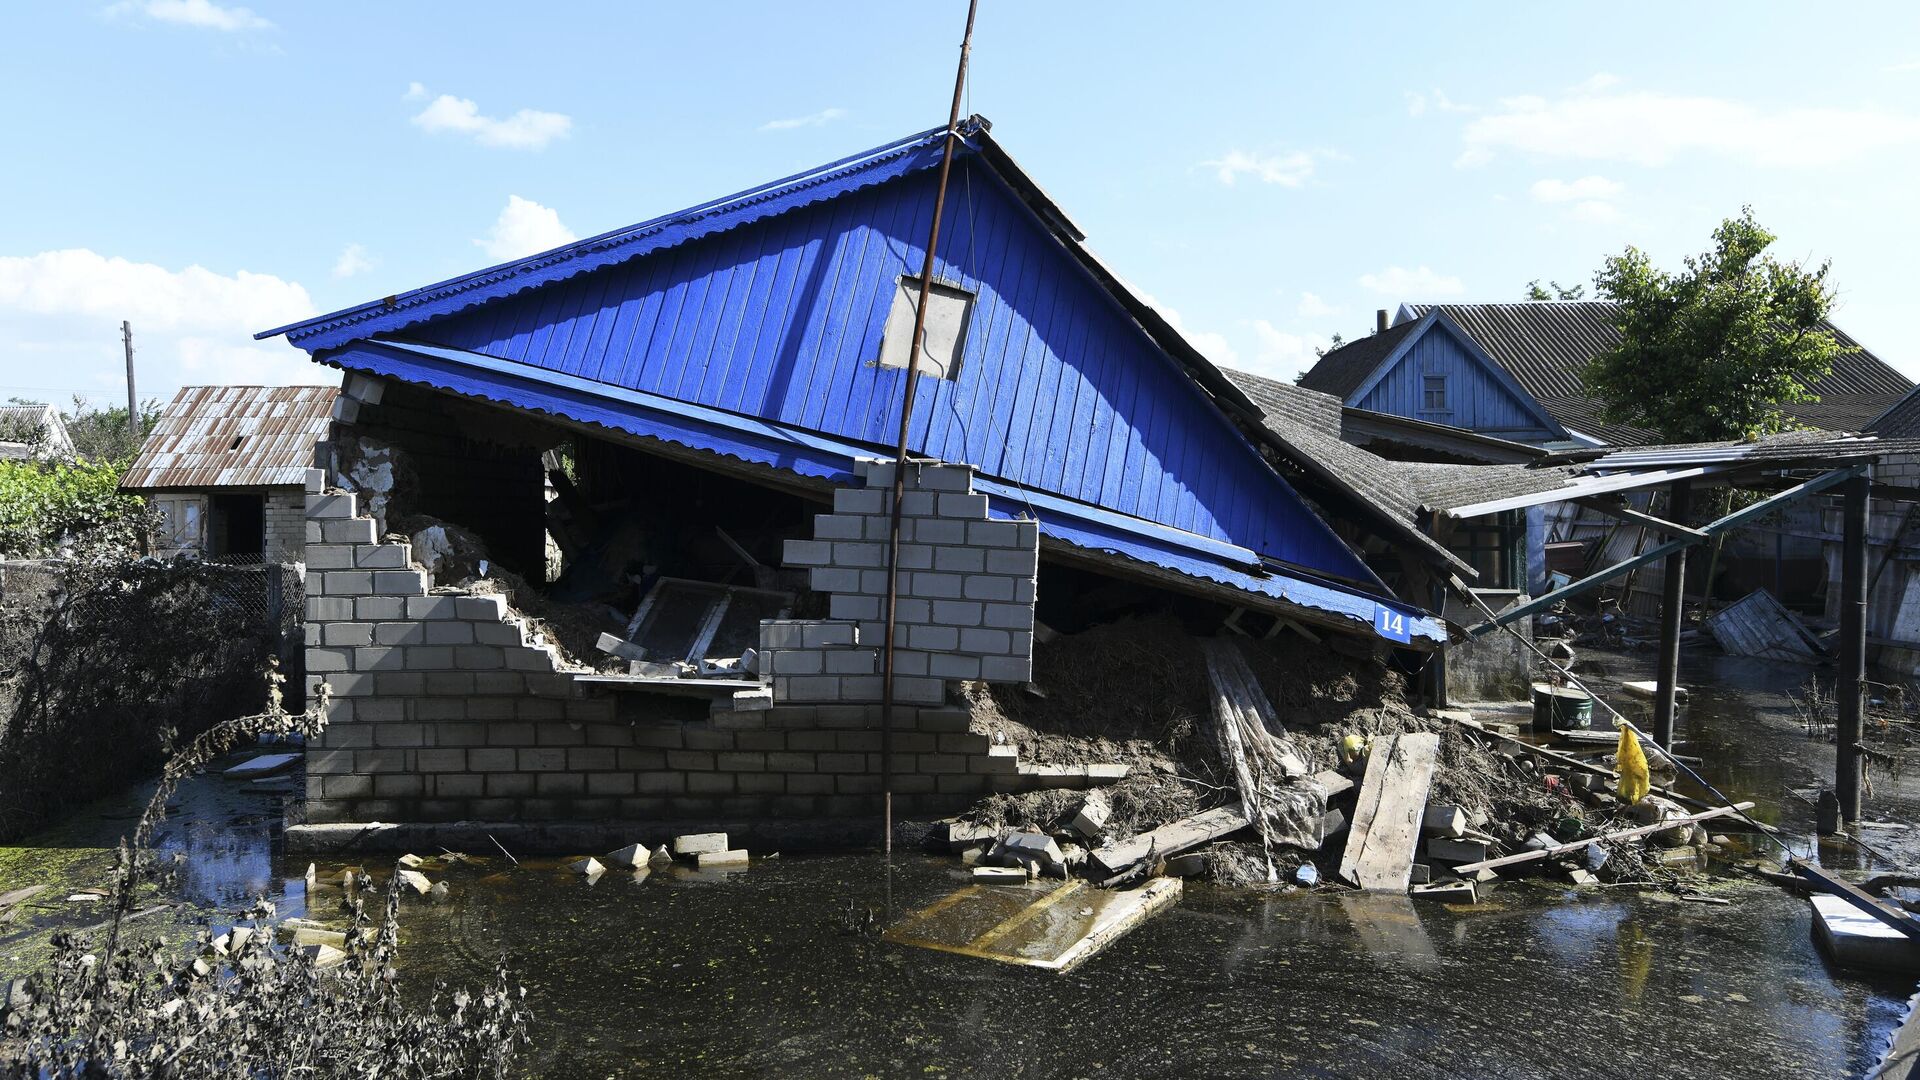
[{"x": 451, "y": 707}]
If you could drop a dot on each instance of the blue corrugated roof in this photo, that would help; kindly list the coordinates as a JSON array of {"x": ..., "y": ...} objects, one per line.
[
  {"x": 763, "y": 312},
  {"x": 1092, "y": 528}
]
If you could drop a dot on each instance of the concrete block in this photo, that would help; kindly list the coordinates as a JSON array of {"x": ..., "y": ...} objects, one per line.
[
  {"x": 935, "y": 586},
  {"x": 959, "y": 560},
  {"x": 329, "y": 608},
  {"x": 433, "y": 607},
  {"x": 1011, "y": 669},
  {"x": 1008, "y": 616},
  {"x": 853, "y": 606},
  {"x": 346, "y": 634},
  {"x": 341, "y": 505},
  {"x": 699, "y": 843},
  {"x": 450, "y": 631},
  {"x": 989, "y": 587},
  {"x": 1016, "y": 563},
  {"x": 945, "y": 478},
  {"x": 858, "y": 555},
  {"x": 858, "y": 501},
  {"x": 953, "y": 666},
  {"x": 323, "y": 660},
  {"x": 342, "y": 582},
  {"x": 383, "y": 556},
  {"x": 400, "y": 582},
  {"x": 962, "y": 506},
  {"x": 480, "y": 608},
  {"x": 807, "y": 553},
  {"x": 399, "y": 633},
  {"x": 850, "y": 661},
  {"x": 833, "y": 579},
  {"x": 838, "y": 527},
  {"x": 1454, "y": 851},
  {"x": 347, "y": 531},
  {"x": 939, "y": 532},
  {"x": 429, "y": 657},
  {"x": 825, "y": 634},
  {"x": 379, "y": 608},
  {"x": 330, "y": 556},
  {"x": 377, "y": 658},
  {"x": 957, "y": 612},
  {"x": 933, "y": 638}
]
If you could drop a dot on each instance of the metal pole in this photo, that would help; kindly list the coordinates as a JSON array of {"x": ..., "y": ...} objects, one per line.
[
  {"x": 1853, "y": 645},
  {"x": 1673, "y": 604},
  {"x": 133, "y": 405},
  {"x": 912, "y": 379}
]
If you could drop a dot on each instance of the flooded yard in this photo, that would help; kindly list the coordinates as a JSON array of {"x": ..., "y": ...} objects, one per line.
[{"x": 777, "y": 970}]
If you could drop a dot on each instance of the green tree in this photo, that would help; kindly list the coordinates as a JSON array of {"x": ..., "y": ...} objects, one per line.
[
  {"x": 1553, "y": 290},
  {"x": 102, "y": 435},
  {"x": 1714, "y": 351}
]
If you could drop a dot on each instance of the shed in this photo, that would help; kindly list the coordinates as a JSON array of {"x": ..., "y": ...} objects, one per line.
[
  {"x": 35, "y": 431},
  {"x": 226, "y": 467}
]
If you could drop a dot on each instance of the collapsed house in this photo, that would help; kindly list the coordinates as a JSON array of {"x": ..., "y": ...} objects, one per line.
[{"x": 603, "y": 534}]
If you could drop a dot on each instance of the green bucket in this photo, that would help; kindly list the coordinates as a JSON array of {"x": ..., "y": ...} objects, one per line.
[{"x": 1561, "y": 708}]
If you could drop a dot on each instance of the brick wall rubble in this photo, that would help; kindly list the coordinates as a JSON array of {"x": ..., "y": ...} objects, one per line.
[{"x": 447, "y": 707}]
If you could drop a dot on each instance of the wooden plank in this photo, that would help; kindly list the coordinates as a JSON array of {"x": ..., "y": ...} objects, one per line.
[
  {"x": 1386, "y": 821},
  {"x": 1170, "y": 839},
  {"x": 1577, "y": 845},
  {"x": 1146, "y": 902},
  {"x": 1856, "y": 896}
]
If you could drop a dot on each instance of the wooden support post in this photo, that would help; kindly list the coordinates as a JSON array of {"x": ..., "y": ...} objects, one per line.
[
  {"x": 1853, "y": 645},
  {"x": 1673, "y": 602}
]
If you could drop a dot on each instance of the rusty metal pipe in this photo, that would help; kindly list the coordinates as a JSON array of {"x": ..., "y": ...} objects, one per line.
[{"x": 906, "y": 424}]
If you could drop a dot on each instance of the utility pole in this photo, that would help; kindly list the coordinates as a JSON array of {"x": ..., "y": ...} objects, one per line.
[
  {"x": 133, "y": 405},
  {"x": 911, "y": 378}
]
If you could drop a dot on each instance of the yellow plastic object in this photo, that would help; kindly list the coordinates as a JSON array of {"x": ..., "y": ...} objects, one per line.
[
  {"x": 1351, "y": 748},
  {"x": 1631, "y": 762}
]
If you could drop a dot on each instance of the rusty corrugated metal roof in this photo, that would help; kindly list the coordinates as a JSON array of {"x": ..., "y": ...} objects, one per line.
[{"x": 234, "y": 436}]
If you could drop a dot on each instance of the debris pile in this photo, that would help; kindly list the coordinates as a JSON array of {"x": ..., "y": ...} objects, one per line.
[{"x": 1292, "y": 765}]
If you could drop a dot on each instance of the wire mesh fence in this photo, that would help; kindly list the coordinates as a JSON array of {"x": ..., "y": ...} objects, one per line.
[{"x": 103, "y": 664}]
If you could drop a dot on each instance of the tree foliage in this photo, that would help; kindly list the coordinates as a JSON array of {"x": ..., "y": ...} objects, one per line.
[
  {"x": 47, "y": 506},
  {"x": 1553, "y": 290},
  {"x": 1714, "y": 351},
  {"x": 103, "y": 435}
]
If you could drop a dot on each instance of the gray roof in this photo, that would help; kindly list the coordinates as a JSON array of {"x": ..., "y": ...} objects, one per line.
[
  {"x": 1544, "y": 345},
  {"x": 1305, "y": 426},
  {"x": 1341, "y": 371}
]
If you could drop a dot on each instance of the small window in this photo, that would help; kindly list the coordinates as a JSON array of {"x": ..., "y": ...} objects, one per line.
[
  {"x": 948, "y": 309},
  {"x": 1433, "y": 393}
]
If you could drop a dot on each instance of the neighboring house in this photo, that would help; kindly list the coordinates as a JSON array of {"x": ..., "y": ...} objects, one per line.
[
  {"x": 34, "y": 431},
  {"x": 1513, "y": 371},
  {"x": 226, "y": 467},
  {"x": 730, "y": 369}
]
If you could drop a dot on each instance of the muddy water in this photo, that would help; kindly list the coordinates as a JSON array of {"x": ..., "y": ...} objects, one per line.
[{"x": 761, "y": 973}]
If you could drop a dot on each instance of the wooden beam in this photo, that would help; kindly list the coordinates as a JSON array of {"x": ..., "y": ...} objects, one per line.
[
  {"x": 1170, "y": 839},
  {"x": 1731, "y": 521},
  {"x": 1577, "y": 845},
  {"x": 1629, "y": 514}
]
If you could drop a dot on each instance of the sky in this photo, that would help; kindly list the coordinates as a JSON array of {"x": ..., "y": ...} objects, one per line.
[{"x": 1269, "y": 174}]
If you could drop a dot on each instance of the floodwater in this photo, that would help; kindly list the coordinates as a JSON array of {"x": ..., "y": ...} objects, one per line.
[{"x": 766, "y": 973}]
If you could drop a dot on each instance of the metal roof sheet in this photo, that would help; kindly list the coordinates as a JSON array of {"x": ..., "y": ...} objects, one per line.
[
  {"x": 1103, "y": 533},
  {"x": 1546, "y": 344},
  {"x": 234, "y": 436}
]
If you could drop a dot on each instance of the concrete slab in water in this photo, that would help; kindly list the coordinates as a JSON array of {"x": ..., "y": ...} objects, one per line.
[
  {"x": 1856, "y": 939},
  {"x": 264, "y": 765},
  {"x": 1057, "y": 928}
]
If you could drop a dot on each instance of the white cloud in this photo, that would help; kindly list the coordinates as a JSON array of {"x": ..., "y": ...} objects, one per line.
[
  {"x": 1281, "y": 355},
  {"x": 1420, "y": 283},
  {"x": 821, "y": 118},
  {"x": 1594, "y": 83},
  {"x": 202, "y": 13},
  {"x": 1653, "y": 129},
  {"x": 1213, "y": 346},
  {"x": 523, "y": 228},
  {"x": 1437, "y": 100},
  {"x": 1288, "y": 170},
  {"x": 1312, "y": 307},
  {"x": 528, "y": 129},
  {"x": 1897, "y": 69},
  {"x": 415, "y": 92},
  {"x": 63, "y": 309},
  {"x": 353, "y": 260}
]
